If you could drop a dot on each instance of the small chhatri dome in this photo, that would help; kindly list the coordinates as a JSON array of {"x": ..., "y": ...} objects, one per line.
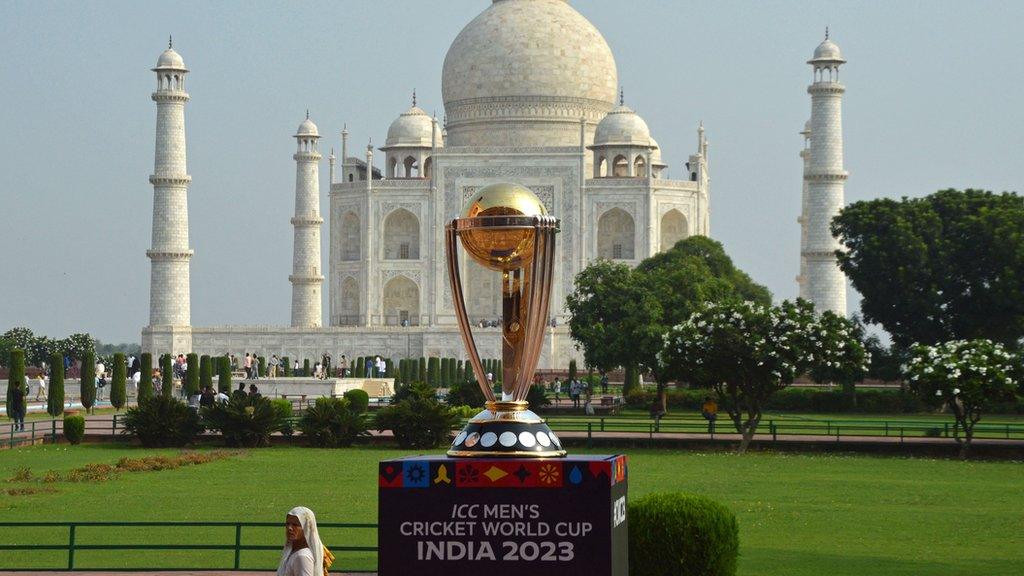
[
  {"x": 307, "y": 128},
  {"x": 413, "y": 129},
  {"x": 170, "y": 60},
  {"x": 656, "y": 160},
  {"x": 827, "y": 52},
  {"x": 622, "y": 126}
]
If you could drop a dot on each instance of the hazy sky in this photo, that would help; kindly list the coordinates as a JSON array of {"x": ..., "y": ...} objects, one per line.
[{"x": 935, "y": 99}]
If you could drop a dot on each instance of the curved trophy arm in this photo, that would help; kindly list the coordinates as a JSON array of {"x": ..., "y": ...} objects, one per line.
[
  {"x": 459, "y": 303},
  {"x": 538, "y": 303}
]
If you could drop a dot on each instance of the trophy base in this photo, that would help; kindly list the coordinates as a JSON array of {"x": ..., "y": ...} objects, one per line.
[{"x": 506, "y": 429}]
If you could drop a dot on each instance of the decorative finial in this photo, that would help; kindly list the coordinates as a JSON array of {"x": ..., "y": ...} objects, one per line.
[
  {"x": 307, "y": 113},
  {"x": 622, "y": 97},
  {"x": 170, "y": 41},
  {"x": 413, "y": 97},
  {"x": 826, "y": 32},
  {"x": 344, "y": 128}
]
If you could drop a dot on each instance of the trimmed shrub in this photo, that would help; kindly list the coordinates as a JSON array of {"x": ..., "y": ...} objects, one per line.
[
  {"x": 305, "y": 368},
  {"x": 389, "y": 368},
  {"x": 16, "y": 376},
  {"x": 537, "y": 396},
  {"x": 434, "y": 371},
  {"x": 118, "y": 394},
  {"x": 460, "y": 372},
  {"x": 261, "y": 366},
  {"x": 74, "y": 427},
  {"x": 205, "y": 372},
  {"x": 421, "y": 369},
  {"x": 808, "y": 400},
  {"x": 418, "y": 423},
  {"x": 245, "y": 422},
  {"x": 162, "y": 422},
  {"x": 331, "y": 423},
  {"x": 681, "y": 535},
  {"x": 192, "y": 374},
  {"x": 87, "y": 380},
  {"x": 283, "y": 408},
  {"x": 499, "y": 372},
  {"x": 55, "y": 400},
  {"x": 465, "y": 394},
  {"x": 358, "y": 400},
  {"x": 167, "y": 374},
  {"x": 287, "y": 363},
  {"x": 224, "y": 375},
  {"x": 146, "y": 378}
]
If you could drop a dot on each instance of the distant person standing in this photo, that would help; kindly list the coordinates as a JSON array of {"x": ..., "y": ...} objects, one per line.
[
  {"x": 709, "y": 410},
  {"x": 18, "y": 407},
  {"x": 369, "y": 367},
  {"x": 343, "y": 366},
  {"x": 248, "y": 366},
  {"x": 326, "y": 360},
  {"x": 41, "y": 390},
  {"x": 604, "y": 383},
  {"x": 274, "y": 363},
  {"x": 382, "y": 367}
]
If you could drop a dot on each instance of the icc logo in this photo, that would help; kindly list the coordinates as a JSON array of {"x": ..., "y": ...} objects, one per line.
[{"x": 619, "y": 513}]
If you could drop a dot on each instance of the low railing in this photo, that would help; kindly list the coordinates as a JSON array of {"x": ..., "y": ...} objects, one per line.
[
  {"x": 48, "y": 430},
  {"x": 230, "y": 538}
]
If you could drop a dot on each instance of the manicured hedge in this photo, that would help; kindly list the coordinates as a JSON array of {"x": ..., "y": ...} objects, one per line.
[
  {"x": 681, "y": 535},
  {"x": 118, "y": 391},
  {"x": 87, "y": 380},
  {"x": 74, "y": 428},
  {"x": 814, "y": 400},
  {"x": 191, "y": 374},
  {"x": 55, "y": 400}
]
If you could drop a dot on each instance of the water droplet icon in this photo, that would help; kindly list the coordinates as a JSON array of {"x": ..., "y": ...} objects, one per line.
[{"x": 575, "y": 476}]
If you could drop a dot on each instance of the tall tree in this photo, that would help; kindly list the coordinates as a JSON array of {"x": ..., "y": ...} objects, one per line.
[
  {"x": 15, "y": 376},
  {"x": 612, "y": 316},
  {"x": 87, "y": 381},
  {"x": 938, "y": 268},
  {"x": 55, "y": 399},
  {"x": 118, "y": 392},
  {"x": 145, "y": 391}
]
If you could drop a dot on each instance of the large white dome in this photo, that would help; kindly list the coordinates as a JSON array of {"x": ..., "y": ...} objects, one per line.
[{"x": 524, "y": 72}]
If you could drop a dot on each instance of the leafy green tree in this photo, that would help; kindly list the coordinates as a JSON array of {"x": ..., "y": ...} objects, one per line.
[
  {"x": 747, "y": 352},
  {"x": 21, "y": 337},
  {"x": 42, "y": 349},
  {"x": 938, "y": 268},
  {"x": 15, "y": 376},
  {"x": 612, "y": 315},
  {"x": 6, "y": 346},
  {"x": 118, "y": 393},
  {"x": 78, "y": 345},
  {"x": 87, "y": 381},
  {"x": 842, "y": 358},
  {"x": 146, "y": 378},
  {"x": 55, "y": 400},
  {"x": 966, "y": 376}
]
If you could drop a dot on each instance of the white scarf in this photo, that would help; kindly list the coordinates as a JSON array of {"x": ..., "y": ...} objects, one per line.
[{"x": 308, "y": 522}]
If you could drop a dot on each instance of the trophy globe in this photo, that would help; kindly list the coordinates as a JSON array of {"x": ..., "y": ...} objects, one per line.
[{"x": 505, "y": 228}]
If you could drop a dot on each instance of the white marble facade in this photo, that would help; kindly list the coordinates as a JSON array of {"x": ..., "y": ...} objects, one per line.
[{"x": 531, "y": 96}]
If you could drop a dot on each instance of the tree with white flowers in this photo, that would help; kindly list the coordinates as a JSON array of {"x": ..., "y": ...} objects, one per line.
[
  {"x": 746, "y": 352},
  {"x": 967, "y": 376}
]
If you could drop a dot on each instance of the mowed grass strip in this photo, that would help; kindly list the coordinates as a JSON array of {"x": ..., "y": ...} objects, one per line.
[{"x": 799, "y": 514}]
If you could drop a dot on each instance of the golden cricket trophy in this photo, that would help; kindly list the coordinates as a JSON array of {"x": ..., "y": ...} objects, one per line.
[{"x": 505, "y": 228}]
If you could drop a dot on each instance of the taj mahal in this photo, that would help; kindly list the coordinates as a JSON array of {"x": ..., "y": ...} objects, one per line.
[{"x": 531, "y": 96}]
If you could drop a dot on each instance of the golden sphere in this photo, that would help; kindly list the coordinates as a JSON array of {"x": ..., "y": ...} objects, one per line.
[{"x": 497, "y": 248}]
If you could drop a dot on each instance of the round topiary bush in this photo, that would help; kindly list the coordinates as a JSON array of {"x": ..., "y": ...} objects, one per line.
[
  {"x": 74, "y": 428},
  {"x": 681, "y": 535},
  {"x": 358, "y": 400}
]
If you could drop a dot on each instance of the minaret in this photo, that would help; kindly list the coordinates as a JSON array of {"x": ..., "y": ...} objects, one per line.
[
  {"x": 805, "y": 156},
  {"x": 169, "y": 329},
  {"x": 825, "y": 283},
  {"x": 305, "y": 277}
]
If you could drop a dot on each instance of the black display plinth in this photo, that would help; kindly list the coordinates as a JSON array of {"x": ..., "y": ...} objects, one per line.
[{"x": 504, "y": 516}]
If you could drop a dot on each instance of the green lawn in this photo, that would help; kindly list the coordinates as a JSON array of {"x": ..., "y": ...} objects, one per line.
[{"x": 798, "y": 515}]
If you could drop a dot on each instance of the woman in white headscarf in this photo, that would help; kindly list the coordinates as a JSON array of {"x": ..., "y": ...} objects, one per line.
[{"x": 303, "y": 554}]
